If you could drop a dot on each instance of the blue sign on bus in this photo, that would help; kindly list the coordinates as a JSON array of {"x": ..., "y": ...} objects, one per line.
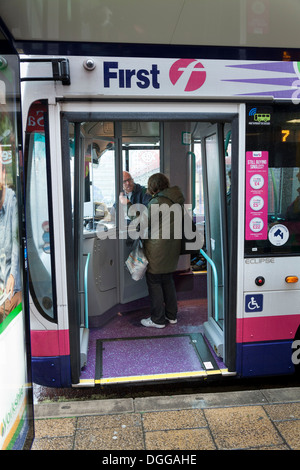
[{"x": 254, "y": 303}]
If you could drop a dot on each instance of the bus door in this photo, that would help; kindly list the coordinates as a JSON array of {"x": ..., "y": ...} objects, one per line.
[
  {"x": 220, "y": 256},
  {"x": 216, "y": 237}
]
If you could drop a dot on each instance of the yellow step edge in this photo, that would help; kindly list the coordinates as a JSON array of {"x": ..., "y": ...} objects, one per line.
[{"x": 139, "y": 378}]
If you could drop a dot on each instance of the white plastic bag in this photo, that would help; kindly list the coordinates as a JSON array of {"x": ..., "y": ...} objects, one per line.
[{"x": 137, "y": 262}]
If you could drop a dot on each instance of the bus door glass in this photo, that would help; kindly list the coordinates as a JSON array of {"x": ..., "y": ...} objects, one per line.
[
  {"x": 40, "y": 255},
  {"x": 215, "y": 232}
]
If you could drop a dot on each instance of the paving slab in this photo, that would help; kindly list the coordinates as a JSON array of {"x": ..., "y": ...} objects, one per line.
[
  {"x": 242, "y": 428},
  {"x": 83, "y": 407},
  {"x": 205, "y": 400},
  {"x": 281, "y": 395}
]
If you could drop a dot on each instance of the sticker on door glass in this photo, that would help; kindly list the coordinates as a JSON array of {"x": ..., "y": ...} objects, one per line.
[
  {"x": 278, "y": 234},
  {"x": 257, "y": 181},
  {"x": 256, "y": 195},
  {"x": 256, "y": 224},
  {"x": 256, "y": 203}
]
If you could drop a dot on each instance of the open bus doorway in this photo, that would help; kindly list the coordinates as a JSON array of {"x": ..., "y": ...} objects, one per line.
[{"x": 110, "y": 304}]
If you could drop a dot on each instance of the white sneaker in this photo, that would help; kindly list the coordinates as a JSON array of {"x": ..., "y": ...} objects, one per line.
[
  {"x": 149, "y": 322},
  {"x": 173, "y": 322}
]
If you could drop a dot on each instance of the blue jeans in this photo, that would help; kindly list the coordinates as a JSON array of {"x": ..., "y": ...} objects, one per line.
[{"x": 163, "y": 297}]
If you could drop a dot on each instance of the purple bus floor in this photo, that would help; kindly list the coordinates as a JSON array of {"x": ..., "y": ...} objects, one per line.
[{"x": 124, "y": 351}]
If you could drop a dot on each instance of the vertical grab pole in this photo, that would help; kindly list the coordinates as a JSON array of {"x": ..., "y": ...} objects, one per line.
[
  {"x": 86, "y": 309},
  {"x": 215, "y": 282},
  {"x": 193, "y": 178}
]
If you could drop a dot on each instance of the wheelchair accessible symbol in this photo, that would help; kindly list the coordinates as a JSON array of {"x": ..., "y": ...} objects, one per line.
[{"x": 254, "y": 303}]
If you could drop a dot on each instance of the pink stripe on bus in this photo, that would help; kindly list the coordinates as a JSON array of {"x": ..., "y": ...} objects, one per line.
[
  {"x": 273, "y": 328},
  {"x": 47, "y": 343}
]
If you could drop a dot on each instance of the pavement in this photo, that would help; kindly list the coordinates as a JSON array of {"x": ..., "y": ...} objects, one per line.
[{"x": 266, "y": 419}]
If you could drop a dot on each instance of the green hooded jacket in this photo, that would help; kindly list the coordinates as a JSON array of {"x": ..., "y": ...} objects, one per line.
[{"x": 161, "y": 248}]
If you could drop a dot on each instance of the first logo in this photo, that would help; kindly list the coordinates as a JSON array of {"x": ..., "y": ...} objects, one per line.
[{"x": 189, "y": 73}]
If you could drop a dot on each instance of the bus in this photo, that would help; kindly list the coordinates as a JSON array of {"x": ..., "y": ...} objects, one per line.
[
  {"x": 240, "y": 176},
  {"x": 220, "y": 117},
  {"x": 16, "y": 401}
]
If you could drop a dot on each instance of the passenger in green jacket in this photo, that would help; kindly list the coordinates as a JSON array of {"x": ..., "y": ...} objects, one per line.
[{"x": 162, "y": 249}]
